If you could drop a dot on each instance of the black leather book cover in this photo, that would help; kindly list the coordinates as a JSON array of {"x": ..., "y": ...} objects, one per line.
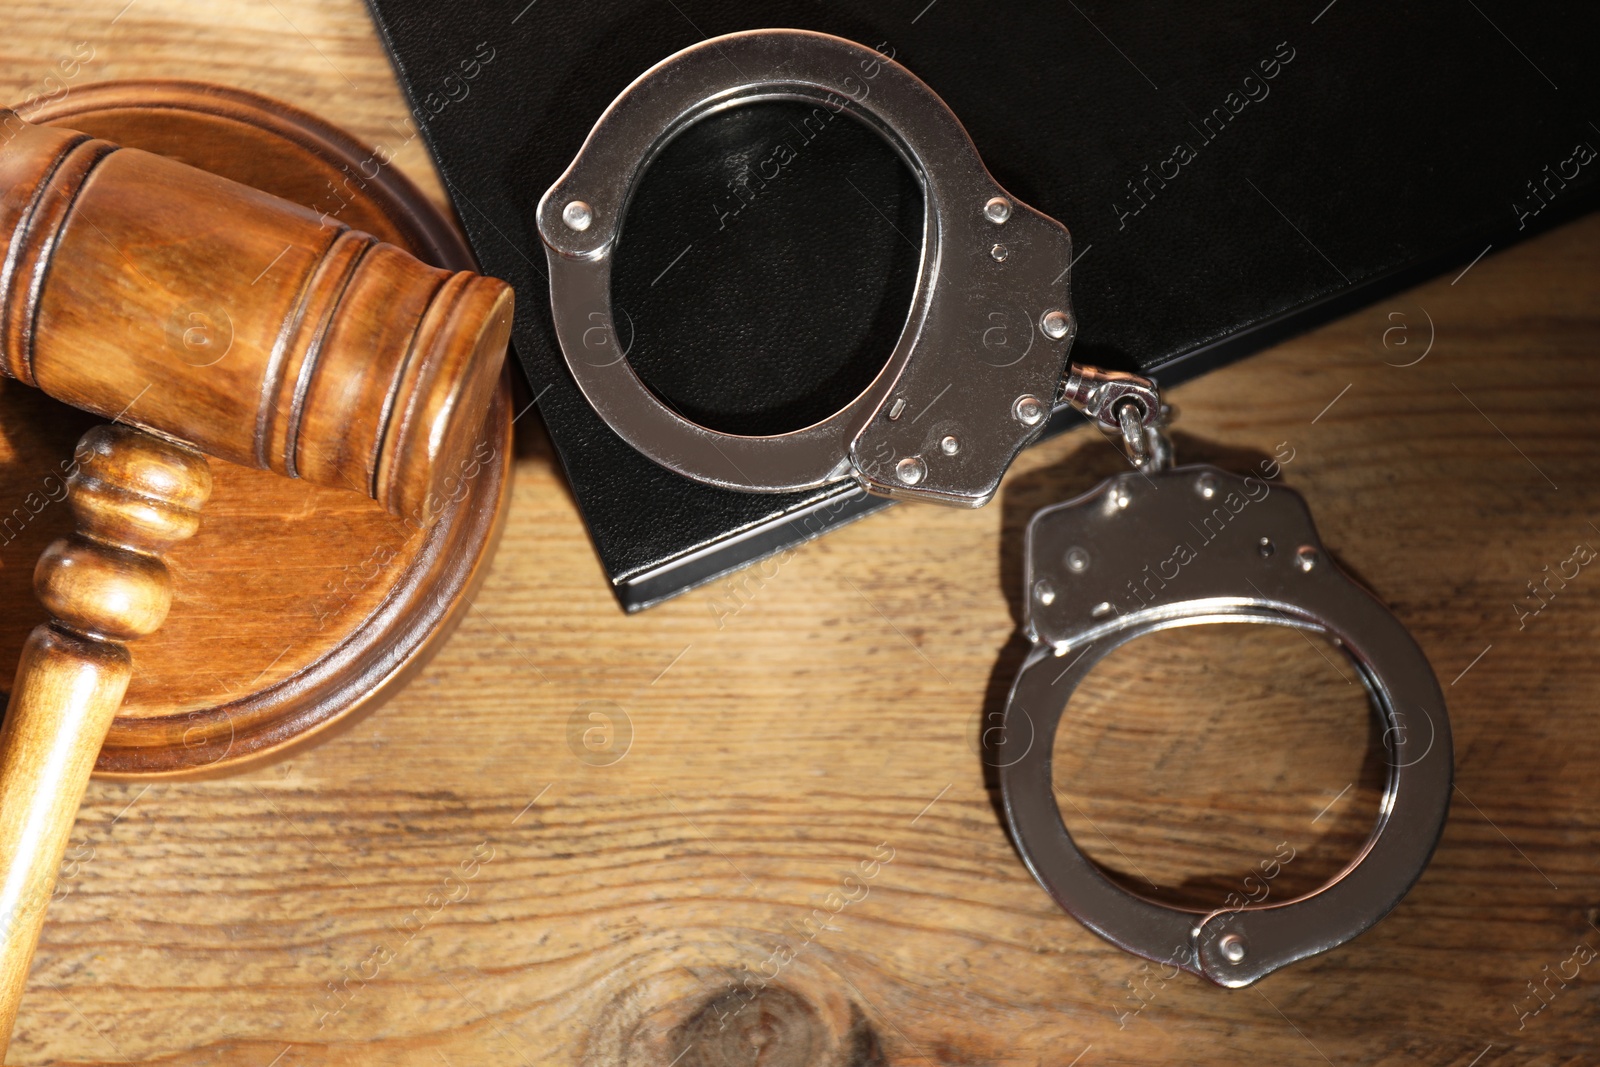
[{"x": 1232, "y": 172}]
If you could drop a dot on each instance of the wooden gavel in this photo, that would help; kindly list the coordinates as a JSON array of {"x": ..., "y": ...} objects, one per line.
[{"x": 203, "y": 316}]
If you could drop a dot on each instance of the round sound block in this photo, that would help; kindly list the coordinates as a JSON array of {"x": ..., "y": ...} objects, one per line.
[{"x": 296, "y": 606}]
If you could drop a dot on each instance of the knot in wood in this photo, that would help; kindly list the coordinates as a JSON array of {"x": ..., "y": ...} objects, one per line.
[{"x": 777, "y": 1027}]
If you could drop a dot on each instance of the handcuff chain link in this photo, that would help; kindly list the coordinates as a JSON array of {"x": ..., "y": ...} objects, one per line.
[{"x": 1126, "y": 403}]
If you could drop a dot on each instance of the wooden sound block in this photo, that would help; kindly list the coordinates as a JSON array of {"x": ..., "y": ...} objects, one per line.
[{"x": 295, "y": 606}]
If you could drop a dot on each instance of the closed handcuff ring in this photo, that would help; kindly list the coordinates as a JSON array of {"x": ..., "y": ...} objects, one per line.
[
  {"x": 1157, "y": 549},
  {"x": 984, "y": 253},
  {"x": 1101, "y": 569}
]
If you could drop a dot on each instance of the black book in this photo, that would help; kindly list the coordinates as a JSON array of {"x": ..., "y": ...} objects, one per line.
[{"x": 1233, "y": 172}]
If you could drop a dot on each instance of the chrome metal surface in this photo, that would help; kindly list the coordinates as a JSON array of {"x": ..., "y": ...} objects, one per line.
[
  {"x": 1157, "y": 447},
  {"x": 1130, "y": 419},
  {"x": 973, "y": 326},
  {"x": 1101, "y": 394},
  {"x": 1192, "y": 546},
  {"x": 1124, "y": 402},
  {"x": 577, "y": 216},
  {"x": 1029, "y": 410}
]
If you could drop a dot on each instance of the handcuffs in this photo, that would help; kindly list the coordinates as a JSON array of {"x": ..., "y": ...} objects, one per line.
[
  {"x": 1103, "y": 569},
  {"x": 1161, "y": 547}
]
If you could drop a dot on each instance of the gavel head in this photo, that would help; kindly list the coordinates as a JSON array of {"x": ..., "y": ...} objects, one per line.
[{"x": 159, "y": 295}]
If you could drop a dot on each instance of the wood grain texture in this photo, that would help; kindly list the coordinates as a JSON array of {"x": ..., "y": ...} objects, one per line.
[
  {"x": 257, "y": 658},
  {"x": 471, "y": 876},
  {"x": 253, "y": 327},
  {"x": 132, "y": 497}
]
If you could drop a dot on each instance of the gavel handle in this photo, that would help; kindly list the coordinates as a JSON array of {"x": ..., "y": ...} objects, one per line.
[{"x": 132, "y": 496}]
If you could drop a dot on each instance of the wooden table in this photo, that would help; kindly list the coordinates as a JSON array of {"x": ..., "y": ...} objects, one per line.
[{"x": 578, "y": 838}]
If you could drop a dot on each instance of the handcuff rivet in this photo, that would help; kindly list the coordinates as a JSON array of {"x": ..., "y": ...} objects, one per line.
[
  {"x": 577, "y": 215},
  {"x": 949, "y": 446},
  {"x": 1055, "y": 324},
  {"x": 910, "y": 470},
  {"x": 1028, "y": 410},
  {"x": 1044, "y": 592},
  {"x": 1214, "y": 944},
  {"x": 956, "y": 297}
]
